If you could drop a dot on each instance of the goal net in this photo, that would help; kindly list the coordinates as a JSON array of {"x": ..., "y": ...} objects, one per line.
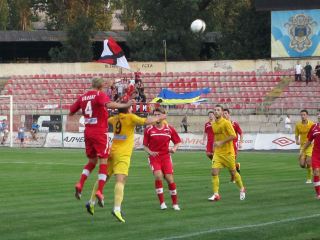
[{"x": 6, "y": 120}]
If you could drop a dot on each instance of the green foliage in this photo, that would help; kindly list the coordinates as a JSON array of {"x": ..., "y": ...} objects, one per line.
[
  {"x": 60, "y": 13},
  {"x": 165, "y": 20},
  {"x": 4, "y": 14},
  {"x": 77, "y": 47},
  {"x": 20, "y": 14},
  {"x": 244, "y": 33}
]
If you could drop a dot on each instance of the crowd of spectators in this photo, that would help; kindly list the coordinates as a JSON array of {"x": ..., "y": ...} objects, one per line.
[
  {"x": 308, "y": 73},
  {"x": 125, "y": 88}
]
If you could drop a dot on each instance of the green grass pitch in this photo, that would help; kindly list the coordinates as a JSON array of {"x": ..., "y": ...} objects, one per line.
[{"x": 37, "y": 199}]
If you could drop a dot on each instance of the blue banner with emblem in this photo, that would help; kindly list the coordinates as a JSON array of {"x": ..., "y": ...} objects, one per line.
[{"x": 295, "y": 33}]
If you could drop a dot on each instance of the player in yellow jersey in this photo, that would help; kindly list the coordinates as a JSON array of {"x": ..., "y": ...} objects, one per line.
[
  {"x": 119, "y": 161},
  {"x": 224, "y": 155},
  {"x": 301, "y": 132}
]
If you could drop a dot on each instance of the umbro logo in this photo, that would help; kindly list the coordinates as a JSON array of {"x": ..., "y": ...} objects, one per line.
[{"x": 283, "y": 141}]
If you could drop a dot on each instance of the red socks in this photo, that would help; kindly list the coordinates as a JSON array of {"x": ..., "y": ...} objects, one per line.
[
  {"x": 159, "y": 190},
  {"x": 316, "y": 183},
  {"x": 86, "y": 172},
  {"x": 173, "y": 193},
  {"x": 102, "y": 177}
]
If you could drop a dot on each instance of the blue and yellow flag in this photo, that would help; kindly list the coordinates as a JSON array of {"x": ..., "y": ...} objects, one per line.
[{"x": 167, "y": 97}]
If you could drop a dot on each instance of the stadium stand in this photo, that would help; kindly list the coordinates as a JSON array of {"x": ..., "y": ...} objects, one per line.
[{"x": 244, "y": 92}]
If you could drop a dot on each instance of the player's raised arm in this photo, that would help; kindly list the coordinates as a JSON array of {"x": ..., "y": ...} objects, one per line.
[
  {"x": 155, "y": 119},
  {"x": 114, "y": 105}
]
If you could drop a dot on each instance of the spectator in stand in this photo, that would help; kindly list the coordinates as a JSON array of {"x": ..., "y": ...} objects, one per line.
[
  {"x": 34, "y": 130},
  {"x": 21, "y": 134},
  {"x": 308, "y": 70},
  {"x": 184, "y": 123},
  {"x": 317, "y": 69},
  {"x": 298, "y": 70},
  {"x": 287, "y": 124},
  {"x": 137, "y": 77},
  {"x": 5, "y": 130}
]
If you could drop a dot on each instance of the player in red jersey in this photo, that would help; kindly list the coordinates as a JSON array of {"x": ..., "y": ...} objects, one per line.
[
  {"x": 314, "y": 135},
  {"x": 93, "y": 105},
  {"x": 208, "y": 136},
  {"x": 236, "y": 143},
  {"x": 156, "y": 143}
]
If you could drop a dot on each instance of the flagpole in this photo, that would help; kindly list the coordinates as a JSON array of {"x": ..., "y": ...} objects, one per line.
[{"x": 164, "y": 42}]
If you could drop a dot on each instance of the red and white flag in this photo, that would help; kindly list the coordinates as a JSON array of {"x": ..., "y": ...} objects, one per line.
[{"x": 113, "y": 54}]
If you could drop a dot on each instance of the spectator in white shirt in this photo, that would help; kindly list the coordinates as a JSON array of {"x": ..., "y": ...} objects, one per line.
[
  {"x": 287, "y": 124},
  {"x": 298, "y": 70}
]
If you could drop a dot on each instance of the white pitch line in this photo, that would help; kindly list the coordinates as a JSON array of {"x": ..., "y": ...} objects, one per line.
[
  {"x": 239, "y": 227},
  {"x": 37, "y": 163}
]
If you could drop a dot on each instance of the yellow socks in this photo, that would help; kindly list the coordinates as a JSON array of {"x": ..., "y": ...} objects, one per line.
[
  {"x": 215, "y": 184},
  {"x": 238, "y": 180},
  {"x": 118, "y": 194}
]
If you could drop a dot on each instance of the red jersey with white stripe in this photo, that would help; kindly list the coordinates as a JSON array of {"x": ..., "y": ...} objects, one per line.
[
  {"x": 93, "y": 107},
  {"x": 157, "y": 140},
  {"x": 208, "y": 130},
  {"x": 314, "y": 135}
]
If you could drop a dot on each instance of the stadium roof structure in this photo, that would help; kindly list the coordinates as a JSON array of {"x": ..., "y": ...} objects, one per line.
[
  {"x": 60, "y": 36},
  {"x": 54, "y": 36}
]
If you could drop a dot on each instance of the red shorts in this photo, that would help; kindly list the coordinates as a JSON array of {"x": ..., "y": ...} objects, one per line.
[
  {"x": 162, "y": 163},
  {"x": 209, "y": 147},
  {"x": 97, "y": 145},
  {"x": 315, "y": 161}
]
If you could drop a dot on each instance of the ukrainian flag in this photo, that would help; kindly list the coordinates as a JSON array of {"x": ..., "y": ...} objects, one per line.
[{"x": 167, "y": 97}]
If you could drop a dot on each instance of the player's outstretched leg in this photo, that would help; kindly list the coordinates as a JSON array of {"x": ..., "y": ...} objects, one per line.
[
  {"x": 118, "y": 197},
  {"x": 240, "y": 185},
  {"x": 101, "y": 182},
  {"x": 215, "y": 189},
  {"x": 85, "y": 174}
]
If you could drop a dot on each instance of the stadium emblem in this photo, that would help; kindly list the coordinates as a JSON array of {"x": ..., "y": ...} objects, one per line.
[
  {"x": 283, "y": 141},
  {"x": 300, "y": 31}
]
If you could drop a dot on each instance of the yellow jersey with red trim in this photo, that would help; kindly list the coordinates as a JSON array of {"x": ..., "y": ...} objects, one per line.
[{"x": 222, "y": 128}]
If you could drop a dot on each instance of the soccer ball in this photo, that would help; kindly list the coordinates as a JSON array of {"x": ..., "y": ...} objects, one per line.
[{"x": 198, "y": 26}]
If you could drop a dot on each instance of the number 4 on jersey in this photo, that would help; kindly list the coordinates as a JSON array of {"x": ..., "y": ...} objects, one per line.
[{"x": 88, "y": 110}]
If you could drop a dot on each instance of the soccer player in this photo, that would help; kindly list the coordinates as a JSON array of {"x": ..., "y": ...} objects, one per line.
[
  {"x": 121, "y": 150},
  {"x": 156, "y": 143},
  {"x": 301, "y": 132},
  {"x": 236, "y": 144},
  {"x": 208, "y": 135},
  {"x": 224, "y": 155},
  {"x": 93, "y": 107},
  {"x": 314, "y": 136}
]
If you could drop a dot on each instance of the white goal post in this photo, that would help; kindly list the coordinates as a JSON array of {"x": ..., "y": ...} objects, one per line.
[{"x": 10, "y": 117}]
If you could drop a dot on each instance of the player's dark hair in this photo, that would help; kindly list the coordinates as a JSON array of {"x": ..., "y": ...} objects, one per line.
[
  {"x": 226, "y": 110},
  {"x": 210, "y": 112},
  {"x": 220, "y": 106},
  {"x": 159, "y": 109},
  {"x": 304, "y": 111},
  {"x": 123, "y": 110}
]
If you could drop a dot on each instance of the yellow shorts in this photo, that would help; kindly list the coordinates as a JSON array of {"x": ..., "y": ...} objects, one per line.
[
  {"x": 307, "y": 152},
  {"x": 118, "y": 164},
  {"x": 224, "y": 161}
]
